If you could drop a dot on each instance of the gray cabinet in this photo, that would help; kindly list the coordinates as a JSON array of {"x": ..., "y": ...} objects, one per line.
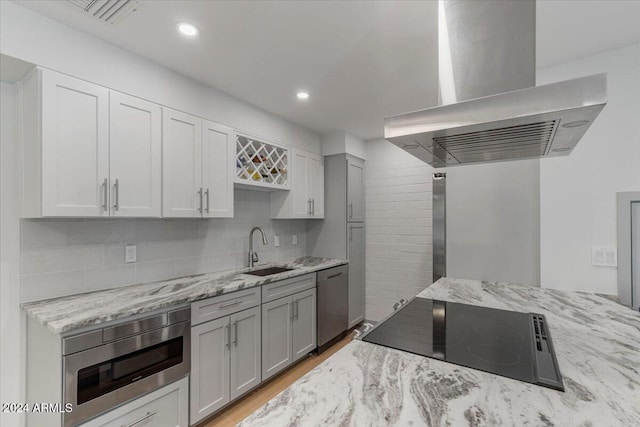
[
  {"x": 303, "y": 330},
  {"x": 355, "y": 254},
  {"x": 209, "y": 368},
  {"x": 276, "y": 336},
  {"x": 245, "y": 351},
  {"x": 225, "y": 361},
  {"x": 288, "y": 331},
  {"x": 341, "y": 234},
  {"x": 165, "y": 407},
  {"x": 355, "y": 189}
]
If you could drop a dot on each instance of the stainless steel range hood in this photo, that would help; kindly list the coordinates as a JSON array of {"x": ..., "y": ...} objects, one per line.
[{"x": 485, "y": 47}]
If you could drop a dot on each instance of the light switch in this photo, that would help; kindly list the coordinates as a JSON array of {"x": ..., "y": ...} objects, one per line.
[
  {"x": 130, "y": 253},
  {"x": 276, "y": 241},
  {"x": 294, "y": 240},
  {"x": 604, "y": 256}
]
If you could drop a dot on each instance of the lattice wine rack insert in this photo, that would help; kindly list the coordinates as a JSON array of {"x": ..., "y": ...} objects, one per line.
[{"x": 260, "y": 162}]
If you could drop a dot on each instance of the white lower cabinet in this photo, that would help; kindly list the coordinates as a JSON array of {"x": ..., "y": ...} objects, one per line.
[
  {"x": 166, "y": 407},
  {"x": 225, "y": 361},
  {"x": 288, "y": 331}
]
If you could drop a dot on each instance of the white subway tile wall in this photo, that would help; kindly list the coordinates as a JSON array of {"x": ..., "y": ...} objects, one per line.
[
  {"x": 399, "y": 227},
  {"x": 68, "y": 256}
]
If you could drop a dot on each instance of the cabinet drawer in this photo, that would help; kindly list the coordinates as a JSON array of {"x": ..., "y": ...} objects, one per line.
[
  {"x": 216, "y": 307},
  {"x": 283, "y": 288},
  {"x": 166, "y": 407}
]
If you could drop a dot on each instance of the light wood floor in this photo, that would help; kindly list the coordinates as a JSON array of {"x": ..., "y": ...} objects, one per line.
[{"x": 244, "y": 407}]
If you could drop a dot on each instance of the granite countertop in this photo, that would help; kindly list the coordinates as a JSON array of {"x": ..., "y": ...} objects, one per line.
[
  {"x": 597, "y": 343},
  {"x": 73, "y": 312}
]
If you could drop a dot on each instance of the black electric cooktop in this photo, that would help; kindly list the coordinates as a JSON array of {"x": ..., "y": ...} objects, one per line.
[{"x": 507, "y": 343}]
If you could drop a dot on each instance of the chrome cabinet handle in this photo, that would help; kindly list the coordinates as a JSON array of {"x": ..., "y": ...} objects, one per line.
[
  {"x": 228, "y": 341},
  {"x": 350, "y": 233},
  {"x": 199, "y": 193},
  {"x": 116, "y": 187},
  {"x": 235, "y": 334},
  {"x": 308, "y": 206},
  {"x": 334, "y": 275},
  {"x": 350, "y": 210},
  {"x": 231, "y": 304},
  {"x": 146, "y": 417},
  {"x": 105, "y": 186},
  {"x": 207, "y": 194},
  {"x": 295, "y": 316},
  {"x": 313, "y": 206}
]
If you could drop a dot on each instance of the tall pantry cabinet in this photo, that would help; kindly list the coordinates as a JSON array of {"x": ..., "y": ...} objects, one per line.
[{"x": 342, "y": 233}]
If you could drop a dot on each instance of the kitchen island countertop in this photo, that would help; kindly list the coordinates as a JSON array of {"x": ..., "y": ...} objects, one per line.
[
  {"x": 73, "y": 312},
  {"x": 597, "y": 344}
]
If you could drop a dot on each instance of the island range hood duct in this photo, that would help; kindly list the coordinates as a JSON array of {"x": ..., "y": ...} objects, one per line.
[{"x": 492, "y": 110}]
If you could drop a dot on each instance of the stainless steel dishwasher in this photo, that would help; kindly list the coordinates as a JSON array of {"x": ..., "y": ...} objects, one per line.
[{"x": 333, "y": 305}]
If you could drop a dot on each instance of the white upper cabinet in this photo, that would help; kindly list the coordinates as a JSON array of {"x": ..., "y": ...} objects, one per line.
[
  {"x": 197, "y": 167},
  {"x": 88, "y": 151},
  {"x": 306, "y": 197},
  {"x": 316, "y": 186},
  {"x": 66, "y": 146},
  {"x": 135, "y": 156},
  {"x": 217, "y": 170},
  {"x": 181, "y": 164}
]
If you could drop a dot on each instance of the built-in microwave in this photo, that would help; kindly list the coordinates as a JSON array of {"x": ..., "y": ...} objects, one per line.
[{"x": 107, "y": 367}]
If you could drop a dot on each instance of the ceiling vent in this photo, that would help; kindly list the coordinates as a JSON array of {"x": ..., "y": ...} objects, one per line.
[{"x": 109, "y": 11}]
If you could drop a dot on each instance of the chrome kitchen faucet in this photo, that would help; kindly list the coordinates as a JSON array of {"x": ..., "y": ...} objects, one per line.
[{"x": 253, "y": 256}]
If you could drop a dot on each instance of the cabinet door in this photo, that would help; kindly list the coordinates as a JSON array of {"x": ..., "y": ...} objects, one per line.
[
  {"x": 276, "y": 336},
  {"x": 218, "y": 165},
  {"x": 316, "y": 171},
  {"x": 355, "y": 254},
  {"x": 355, "y": 190},
  {"x": 75, "y": 147},
  {"x": 181, "y": 165},
  {"x": 300, "y": 202},
  {"x": 135, "y": 146},
  {"x": 209, "y": 367},
  {"x": 245, "y": 351},
  {"x": 166, "y": 407},
  {"x": 304, "y": 323}
]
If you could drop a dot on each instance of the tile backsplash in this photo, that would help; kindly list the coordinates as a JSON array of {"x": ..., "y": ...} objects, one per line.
[{"x": 67, "y": 256}]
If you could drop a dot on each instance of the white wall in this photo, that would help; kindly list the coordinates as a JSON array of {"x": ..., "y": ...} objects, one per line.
[
  {"x": 33, "y": 38},
  {"x": 398, "y": 227},
  {"x": 11, "y": 388},
  {"x": 342, "y": 142},
  {"x": 68, "y": 256},
  {"x": 493, "y": 222},
  {"x": 578, "y": 192}
]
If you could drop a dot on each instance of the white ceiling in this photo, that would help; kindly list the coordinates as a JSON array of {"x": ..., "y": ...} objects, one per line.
[{"x": 360, "y": 60}]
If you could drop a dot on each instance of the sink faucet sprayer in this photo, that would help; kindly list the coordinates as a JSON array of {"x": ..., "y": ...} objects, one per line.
[{"x": 253, "y": 256}]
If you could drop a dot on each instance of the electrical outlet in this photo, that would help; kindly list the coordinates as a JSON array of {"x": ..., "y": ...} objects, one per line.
[
  {"x": 276, "y": 241},
  {"x": 294, "y": 239},
  {"x": 604, "y": 257},
  {"x": 130, "y": 253}
]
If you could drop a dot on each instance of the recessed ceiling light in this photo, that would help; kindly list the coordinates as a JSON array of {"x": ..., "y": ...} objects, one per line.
[
  {"x": 188, "y": 29},
  {"x": 303, "y": 95}
]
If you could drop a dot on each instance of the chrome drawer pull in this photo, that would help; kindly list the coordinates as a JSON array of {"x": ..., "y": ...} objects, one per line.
[
  {"x": 207, "y": 194},
  {"x": 334, "y": 275},
  {"x": 146, "y": 417},
  {"x": 104, "y": 194},
  {"x": 231, "y": 304},
  {"x": 235, "y": 333},
  {"x": 116, "y": 188}
]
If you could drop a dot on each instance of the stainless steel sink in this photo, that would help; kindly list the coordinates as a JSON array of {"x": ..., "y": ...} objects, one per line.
[{"x": 268, "y": 271}]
